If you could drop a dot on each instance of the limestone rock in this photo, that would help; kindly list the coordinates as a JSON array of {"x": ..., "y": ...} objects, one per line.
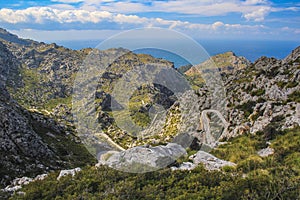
[
  {"x": 17, "y": 183},
  {"x": 265, "y": 152},
  {"x": 71, "y": 172},
  {"x": 209, "y": 161},
  {"x": 185, "y": 166},
  {"x": 142, "y": 159}
]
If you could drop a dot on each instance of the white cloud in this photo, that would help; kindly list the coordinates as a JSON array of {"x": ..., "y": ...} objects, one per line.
[
  {"x": 216, "y": 25},
  {"x": 249, "y": 8},
  {"x": 46, "y": 15},
  {"x": 43, "y": 15},
  {"x": 255, "y": 2},
  {"x": 68, "y": 1},
  {"x": 195, "y": 7},
  {"x": 83, "y": 19},
  {"x": 132, "y": 19},
  {"x": 258, "y": 15},
  {"x": 124, "y": 7},
  {"x": 288, "y": 29},
  {"x": 193, "y": 30},
  {"x": 60, "y": 35}
]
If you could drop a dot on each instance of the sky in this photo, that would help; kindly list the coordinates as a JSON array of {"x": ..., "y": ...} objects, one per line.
[{"x": 98, "y": 19}]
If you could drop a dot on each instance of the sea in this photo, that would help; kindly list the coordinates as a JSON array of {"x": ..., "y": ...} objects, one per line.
[{"x": 250, "y": 49}]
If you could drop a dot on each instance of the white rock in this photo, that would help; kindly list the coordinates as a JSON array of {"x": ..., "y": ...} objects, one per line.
[
  {"x": 185, "y": 166},
  {"x": 40, "y": 177},
  {"x": 12, "y": 188},
  {"x": 143, "y": 159},
  {"x": 265, "y": 152},
  {"x": 22, "y": 181},
  {"x": 68, "y": 172},
  {"x": 210, "y": 162},
  {"x": 17, "y": 183}
]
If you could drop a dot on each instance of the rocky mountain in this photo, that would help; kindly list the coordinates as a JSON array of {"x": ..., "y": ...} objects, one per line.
[
  {"x": 225, "y": 62},
  {"x": 264, "y": 97},
  {"x": 37, "y": 126},
  {"x": 6, "y": 36},
  {"x": 31, "y": 143},
  {"x": 39, "y": 134}
]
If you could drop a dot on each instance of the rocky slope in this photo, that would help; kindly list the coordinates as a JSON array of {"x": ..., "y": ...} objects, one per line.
[
  {"x": 37, "y": 126},
  {"x": 264, "y": 97},
  {"x": 225, "y": 62},
  {"x": 31, "y": 143}
]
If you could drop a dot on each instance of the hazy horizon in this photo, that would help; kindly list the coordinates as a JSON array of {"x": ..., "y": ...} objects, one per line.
[
  {"x": 250, "y": 49},
  {"x": 98, "y": 19}
]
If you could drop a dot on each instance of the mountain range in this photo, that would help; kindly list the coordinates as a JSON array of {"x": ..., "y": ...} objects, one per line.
[{"x": 38, "y": 132}]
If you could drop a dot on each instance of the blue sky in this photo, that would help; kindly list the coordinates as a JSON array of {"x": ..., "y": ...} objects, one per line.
[{"x": 97, "y": 19}]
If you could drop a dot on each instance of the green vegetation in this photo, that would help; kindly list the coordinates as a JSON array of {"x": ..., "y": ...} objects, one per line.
[
  {"x": 295, "y": 96},
  {"x": 287, "y": 146},
  {"x": 239, "y": 148},
  {"x": 245, "y": 79},
  {"x": 171, "y": 125},
  {"x": 273, "y": 177},
  {"x": 196, "y": 81},
  {"x": 137, "y": 106},
  {"x": 68, "y": 147},
  {"x": 247, "y": 108},
  {"x": 258, "y": 92},
  {"x": 291, "y": 84},
  {"x": 31, "y": 90},
  {"x": 183, "y": 69},
  {"x": 52, "y": 103},
  {"x": 281, "y": 84}
]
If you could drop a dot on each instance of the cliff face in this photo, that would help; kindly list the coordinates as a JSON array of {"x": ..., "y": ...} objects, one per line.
[
  {"x": 264, "y": 96},
  {"x": 31, "y": 143}
]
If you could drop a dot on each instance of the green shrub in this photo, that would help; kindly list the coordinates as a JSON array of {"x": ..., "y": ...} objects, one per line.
[
  {"x": 258, "y": 92},
  {"x": 273, "y": 177},
  {"x": 295, "y": 96},
  {"x": 247, "y": 108}
]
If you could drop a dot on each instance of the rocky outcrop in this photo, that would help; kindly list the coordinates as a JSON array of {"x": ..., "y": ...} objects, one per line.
[
  {"x": 18, "y": 183},
  {"x": 33, "y": 143},
  {"x": 142, "y": 159},
  {"x": 265, "y": 152},
  {"x": 293, "y": 58},
  {"x": 209, "y": 161},
  {"x": 71, "y": 172},
  {"x": 225, "y": 62},
  {"x": 264, "y": 97},
  {"x": 8, "y": 37},
  {"x": 30, "y": 142}
]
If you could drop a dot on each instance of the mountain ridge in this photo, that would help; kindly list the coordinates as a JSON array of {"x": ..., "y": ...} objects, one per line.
[{"x": 36, "y": 81}]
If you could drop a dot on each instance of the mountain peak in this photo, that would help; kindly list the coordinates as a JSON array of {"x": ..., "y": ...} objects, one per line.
[
  {"x": 227, "y": 61},
  {"x": 9, "y": 37},
  {"x": 294, "y": 56}
]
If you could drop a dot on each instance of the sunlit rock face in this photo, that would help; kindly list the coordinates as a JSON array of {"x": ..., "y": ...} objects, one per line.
[{"x": 141, "y": 159}]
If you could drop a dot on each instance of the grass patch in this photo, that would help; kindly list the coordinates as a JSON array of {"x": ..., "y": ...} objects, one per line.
[
  {"x": 247, "y": 108},
  {"x": 295, "y": 97},
  {"x": 52, "y": 103},
  {"x": 258, "y": 92}
]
